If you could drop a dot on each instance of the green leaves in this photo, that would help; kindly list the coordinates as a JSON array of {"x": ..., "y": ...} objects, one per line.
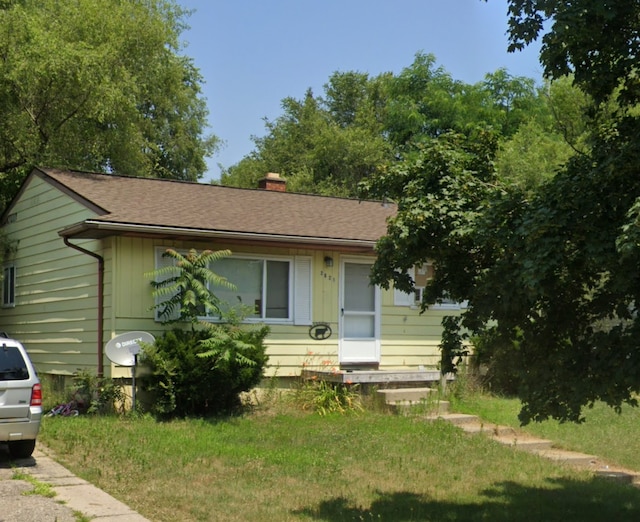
[
  {"x": 550, "y": 272},
  {"x": 440, "y": 193},
  {"x": 547, "y": 253},
  {"x": 187, "y": 285},
  {"x": 99, "y": 85},
  {"x": 231, "y": 341},
  {"x": 203, "y": 372},
  {"x": 329, "y": 144},
  {"x": 595, "y": 41}
]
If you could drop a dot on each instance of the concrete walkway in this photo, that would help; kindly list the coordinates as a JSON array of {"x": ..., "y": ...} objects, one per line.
[
  {"x": 545, "y": 448},
  {"x": 73, "y": 495}
]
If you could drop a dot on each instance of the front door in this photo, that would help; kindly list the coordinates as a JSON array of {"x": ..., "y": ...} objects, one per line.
[{"x": 359, "y": 314}]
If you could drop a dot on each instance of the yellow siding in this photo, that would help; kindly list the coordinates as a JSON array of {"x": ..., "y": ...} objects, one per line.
[
  {"x": 56, "y": 287},
  {"x": 56, "y": 297},
  {"x": 409, "y": 339}
]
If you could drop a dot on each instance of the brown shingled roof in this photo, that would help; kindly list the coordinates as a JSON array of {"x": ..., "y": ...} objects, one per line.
[{"x": 128, "y": 204}]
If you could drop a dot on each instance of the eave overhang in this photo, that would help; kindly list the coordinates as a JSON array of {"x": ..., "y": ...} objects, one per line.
[{"x": 99, "y": 229}]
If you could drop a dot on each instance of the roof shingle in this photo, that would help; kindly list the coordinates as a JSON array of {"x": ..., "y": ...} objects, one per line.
[{"x": 135, "y": 201}]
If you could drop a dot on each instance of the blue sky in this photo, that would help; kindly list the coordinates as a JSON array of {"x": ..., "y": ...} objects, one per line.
[{"x": 254, "y": 53}]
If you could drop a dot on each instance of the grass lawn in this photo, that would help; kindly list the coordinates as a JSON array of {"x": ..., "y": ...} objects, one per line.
[
  {"x": 291, "y": 466},
  {"x": 605, "y": 433}
]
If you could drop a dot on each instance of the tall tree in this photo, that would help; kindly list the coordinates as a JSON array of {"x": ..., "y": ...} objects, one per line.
[
  {"x": 98, "y": 85},
  {"x": 329, "y": 144},
  {"x": 596, "y": 41},
  {"x": 551, "y": 272},
  {"x": 423, "y": 102},
  {"x": 319, "y": 147}
]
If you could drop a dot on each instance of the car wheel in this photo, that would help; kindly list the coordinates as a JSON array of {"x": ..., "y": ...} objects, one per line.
[{"x": 21, "y": 449}]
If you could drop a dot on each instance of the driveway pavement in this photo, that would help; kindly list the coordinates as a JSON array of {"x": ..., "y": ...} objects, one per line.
[{"x": 73, "y": 495}]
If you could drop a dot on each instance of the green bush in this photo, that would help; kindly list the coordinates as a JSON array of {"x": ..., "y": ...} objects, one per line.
[{"x": 186, "y": 377}]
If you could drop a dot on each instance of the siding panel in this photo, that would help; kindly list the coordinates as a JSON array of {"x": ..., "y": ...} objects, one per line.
[{"x": 56, "y": 296}]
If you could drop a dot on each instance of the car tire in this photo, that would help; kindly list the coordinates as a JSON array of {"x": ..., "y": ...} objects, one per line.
[{"x": 21, "y": 449}]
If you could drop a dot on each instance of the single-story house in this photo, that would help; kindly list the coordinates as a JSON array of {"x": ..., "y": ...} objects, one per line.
[{"x": 84, "y": 242}]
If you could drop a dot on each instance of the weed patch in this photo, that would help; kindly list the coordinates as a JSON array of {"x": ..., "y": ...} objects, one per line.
[{"x": 39, "y": 488}]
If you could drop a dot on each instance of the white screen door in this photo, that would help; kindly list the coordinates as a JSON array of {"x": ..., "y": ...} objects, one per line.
[{"x": 359, "y": 314}]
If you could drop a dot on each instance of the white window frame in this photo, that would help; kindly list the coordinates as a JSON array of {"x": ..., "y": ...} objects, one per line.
[
  {"x": 299, "y": 299},
  {"x": 414, "y": 299},
  {"x": 402, "y": 298},
  {"x": 9, "y": 286},
  {"x": 263, "y": 298}
]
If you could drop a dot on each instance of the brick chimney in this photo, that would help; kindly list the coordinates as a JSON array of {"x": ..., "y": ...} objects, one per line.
[{"x": 273, "y": 181}]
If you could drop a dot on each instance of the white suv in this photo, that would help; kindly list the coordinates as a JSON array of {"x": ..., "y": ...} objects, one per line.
[{"x": 20, "y": 399}]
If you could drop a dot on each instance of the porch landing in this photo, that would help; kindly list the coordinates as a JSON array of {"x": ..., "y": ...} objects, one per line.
[{"x": 396, "y": 377}]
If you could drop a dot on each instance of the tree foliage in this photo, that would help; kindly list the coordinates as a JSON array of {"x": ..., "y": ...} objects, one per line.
[
  {"x": 184, "y": 287},
  {"x": 322, "y": 147},
  {"x": 596, "y": 41},
  {"x": 98, "y": 85},
  {"x": 549, "y": 269},
  {"x": 328, "y": 144}
]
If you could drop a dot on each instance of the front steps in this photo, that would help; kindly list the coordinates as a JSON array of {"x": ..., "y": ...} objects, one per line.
[
  {"x": 407, "y": 401},
  {"x": 425, "y": 402}
]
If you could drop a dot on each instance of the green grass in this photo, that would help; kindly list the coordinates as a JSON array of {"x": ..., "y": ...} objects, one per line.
[
  {"x": 288, "y": 466},
  {"x": 604, "y": 433},
  {"x": 39, "y": 488}
]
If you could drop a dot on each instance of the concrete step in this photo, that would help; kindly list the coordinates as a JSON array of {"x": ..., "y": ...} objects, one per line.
[
  {"x": 393, "y": 395},
  {"x": 457, "y": 419},
  {"x": 624, "y": 477},
  {"x": 544, "y": 448},
  {"x": 567, "y": 457},
  {"x": 430, "y": 407},
  {"x": 488, "y": 429},
  {"x": 525, "y": 443}
]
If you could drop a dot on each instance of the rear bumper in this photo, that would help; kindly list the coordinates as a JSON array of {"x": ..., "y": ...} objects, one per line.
[{"x": 21, "y": 429}]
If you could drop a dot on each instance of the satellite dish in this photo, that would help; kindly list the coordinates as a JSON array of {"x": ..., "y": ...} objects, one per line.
[{"x": 123, "y": 349}]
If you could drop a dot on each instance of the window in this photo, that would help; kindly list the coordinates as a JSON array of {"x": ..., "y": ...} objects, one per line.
[
  {"x": 12, "y": 364},
  {"x": 421, "y": 274},
  {"x": 9, "y": 286},
  {"x": 273, "y": 289},
  {"x": 263, "y": 285}
]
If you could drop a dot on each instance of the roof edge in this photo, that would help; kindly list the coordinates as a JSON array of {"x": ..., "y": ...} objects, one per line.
[
  {"x": 93, "y": 229},
  {"x": 44, "y": 175}
]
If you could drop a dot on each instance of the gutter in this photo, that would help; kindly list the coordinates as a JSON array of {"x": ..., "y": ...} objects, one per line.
[
  {"x": 100, "y": 259},
  {"x": 90, "y": 229}
]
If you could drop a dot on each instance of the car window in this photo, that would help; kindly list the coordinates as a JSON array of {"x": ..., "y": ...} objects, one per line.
[{"x": 12, "y": 365}]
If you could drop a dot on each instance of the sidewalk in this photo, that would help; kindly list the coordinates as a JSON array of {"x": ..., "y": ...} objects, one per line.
[{"x": 73, "y": 495}]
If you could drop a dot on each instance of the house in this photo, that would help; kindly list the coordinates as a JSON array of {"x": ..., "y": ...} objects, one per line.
[{"x": 84, "y": 242}]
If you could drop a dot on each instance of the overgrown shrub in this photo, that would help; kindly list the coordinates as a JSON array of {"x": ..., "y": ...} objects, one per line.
[
  {"x": 87, "y": 393},
  {"x": 97, "y": 395},
  {"x": 324, "y": 397},
  {"x": 203, "y": 372}
]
